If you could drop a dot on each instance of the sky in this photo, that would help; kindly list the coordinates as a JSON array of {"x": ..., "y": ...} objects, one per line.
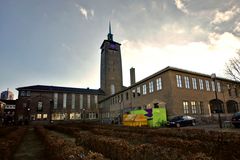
[{"x": 57, "y": 42}]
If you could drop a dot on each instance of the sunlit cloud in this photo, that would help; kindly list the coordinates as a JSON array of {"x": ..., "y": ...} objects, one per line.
[
  {"x": 84, "y": 12},
  {"x": 221, "y": 17},
  {"x": 196, "y": 56},
  {"x": 181, "y": 6},
  {"x": 237, "y": 28}
]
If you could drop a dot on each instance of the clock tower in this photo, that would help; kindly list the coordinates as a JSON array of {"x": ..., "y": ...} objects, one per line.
[{"x": 111, "y": 65}]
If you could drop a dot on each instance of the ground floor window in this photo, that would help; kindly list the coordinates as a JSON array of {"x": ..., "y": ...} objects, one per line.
[
  {"x": 59, "y": 116},
  {"x": 193, "y": 107},
  {"x": 39, "y": 116},
  {"x": 45, "y": 116},
  {"x": 232, "y": 106},
  {"x": 185, "y": 107}
]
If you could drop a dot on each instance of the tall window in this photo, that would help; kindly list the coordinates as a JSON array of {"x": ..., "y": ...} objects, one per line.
[
  {"x": 179, "y": 81},
  {"x": 88, "y": 101},
  {"x": 73, "y": 101},
  {"x": 64, "y": 100},
  {"x": 187, "y": 82},
  {"x": 55, "y": 100},
  {"x": 218, "y": 87},
  {"x": 200, "y": 107},
  {"x": 213, "y": 86},
  {"x": 144, "y": 89},
  {"x": 185, "y": 107},
  {"x": 159, "y": 83},
  {"x": 200, "y": 84},
  {"x": 112, "y": 89},
  {"x": 138, "y": 91},
  {"x": 133, "y": 93},
  {"x": 40, "y": 106},
  {"x": 151, "y": 87},
  {"x": 207, "y": 85},
  {"x": 194, "y": 83},
  {"x": 96, "y": 99},
  {"x": 81, "y": 101},
  {"x": 194, "y": 107}
]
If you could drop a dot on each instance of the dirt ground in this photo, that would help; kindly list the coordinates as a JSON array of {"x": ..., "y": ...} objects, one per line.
[{"x": 31, "y": 147}]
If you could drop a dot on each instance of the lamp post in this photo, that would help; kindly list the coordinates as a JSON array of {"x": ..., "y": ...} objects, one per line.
[
  {"x": 213, "y": 77},
  {"x": 50, "y": 110}
]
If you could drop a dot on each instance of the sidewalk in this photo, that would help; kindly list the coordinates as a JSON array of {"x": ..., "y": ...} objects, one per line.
[{"x": 31, "y": 148}]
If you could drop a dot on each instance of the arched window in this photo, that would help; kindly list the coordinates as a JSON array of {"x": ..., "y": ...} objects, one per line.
[
  {"x": 112, "y": 89},
  {"x": 216, "y": 106},
  {"x": 232, "y": 106}
]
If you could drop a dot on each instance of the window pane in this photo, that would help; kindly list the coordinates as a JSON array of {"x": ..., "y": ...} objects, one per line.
[{"x": 179, "y": 81}]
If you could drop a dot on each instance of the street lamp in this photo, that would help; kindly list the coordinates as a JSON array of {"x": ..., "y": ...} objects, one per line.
[
  {"x": 213, "y": 77},
  {"x": 50, "y": 110}
]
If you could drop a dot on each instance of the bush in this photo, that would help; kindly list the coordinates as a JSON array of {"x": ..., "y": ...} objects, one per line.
[{"x": 10, "y": 142}]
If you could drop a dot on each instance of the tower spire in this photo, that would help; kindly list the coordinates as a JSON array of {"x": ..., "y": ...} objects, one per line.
[
  {"x": 110, "y": 36},
  {"x": 110, "y": 31}
]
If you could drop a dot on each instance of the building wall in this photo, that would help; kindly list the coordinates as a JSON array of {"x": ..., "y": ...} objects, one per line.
[
  {"x": 172, "y": 97},
  {"x": 58, "y": 112}
]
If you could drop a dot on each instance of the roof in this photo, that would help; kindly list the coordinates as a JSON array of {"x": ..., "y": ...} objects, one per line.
[
  {"x": 8, "y": 101},
  {"x": 61, "y": 89},
  {"x": 169, "y": 68}
]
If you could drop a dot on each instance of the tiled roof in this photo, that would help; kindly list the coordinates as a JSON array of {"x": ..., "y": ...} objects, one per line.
[{"x": 61, "y": 89}]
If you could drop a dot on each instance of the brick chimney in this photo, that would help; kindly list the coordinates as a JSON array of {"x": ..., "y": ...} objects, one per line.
[{"x": 132, "y": 76}]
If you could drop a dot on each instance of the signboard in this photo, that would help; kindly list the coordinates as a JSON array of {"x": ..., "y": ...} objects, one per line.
[{"x": 10, "y": 106}]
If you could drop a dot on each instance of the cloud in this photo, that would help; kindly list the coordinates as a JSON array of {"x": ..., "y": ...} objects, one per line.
[
  {"x": 181, "y": 6},
  {"x": 237, "y": 28},
  {"x": 197, "y": 56},
  {"x": 66, "y": 47},
  {"x": 221, "y": 17},
  {"x": 84, "y": 12}
]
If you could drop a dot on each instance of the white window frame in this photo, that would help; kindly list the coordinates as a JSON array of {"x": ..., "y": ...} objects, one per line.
[
  {"x": 207, "y": 83},
  {"x": 218, "y": 86},
  {"x": 213, "y": 85},
  {"x": 200, "y": 84},
  {"x": 179, "y": 81},
  {"x": 138, "y": 91},
  {"x": 194, "y": 83},
  {"x": 40, "y": 105},
  {"x": 151, "y": 89},
  {"x": 64, "y": 100},
  {"x": 194, "y": 107},
  {"x": 159, "y": 83},
  {"x": 185, "y": 107},
  {"x": 73, "y": 101},
  {"x": 81, "y": 101},
  {"x": 88, "y": 101},
  {"x": 144, "y": 89},
  {"x": 187, "y": 82}
]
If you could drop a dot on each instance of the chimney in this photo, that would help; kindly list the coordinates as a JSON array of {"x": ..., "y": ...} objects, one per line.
[{"x": 132, "y": 76}]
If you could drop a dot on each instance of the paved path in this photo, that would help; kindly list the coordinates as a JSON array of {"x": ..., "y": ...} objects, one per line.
[{"x": 31, "y": 147}]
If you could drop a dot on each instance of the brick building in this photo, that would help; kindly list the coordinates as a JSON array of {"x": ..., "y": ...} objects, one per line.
[
  {"x": 37, "y": 103},
  {"x": 180, "y": 91}
]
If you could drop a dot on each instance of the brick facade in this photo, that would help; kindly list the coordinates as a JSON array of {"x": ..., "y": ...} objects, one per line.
[{"x": 199, "y": 100}]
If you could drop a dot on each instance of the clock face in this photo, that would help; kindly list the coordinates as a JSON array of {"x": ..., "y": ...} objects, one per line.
[{"x": 113, "y": 46}]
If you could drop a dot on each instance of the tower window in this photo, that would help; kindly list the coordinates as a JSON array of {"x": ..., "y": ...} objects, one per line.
[{"x": 112, "y": 89}]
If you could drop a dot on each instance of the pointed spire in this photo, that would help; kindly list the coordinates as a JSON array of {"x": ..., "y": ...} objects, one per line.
[
  {"x": 110, "y": 31},
  {"x": 110, "y": 36}
]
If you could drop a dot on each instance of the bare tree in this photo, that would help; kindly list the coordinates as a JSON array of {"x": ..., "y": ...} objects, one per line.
[{"x": 233, "y": 67}]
